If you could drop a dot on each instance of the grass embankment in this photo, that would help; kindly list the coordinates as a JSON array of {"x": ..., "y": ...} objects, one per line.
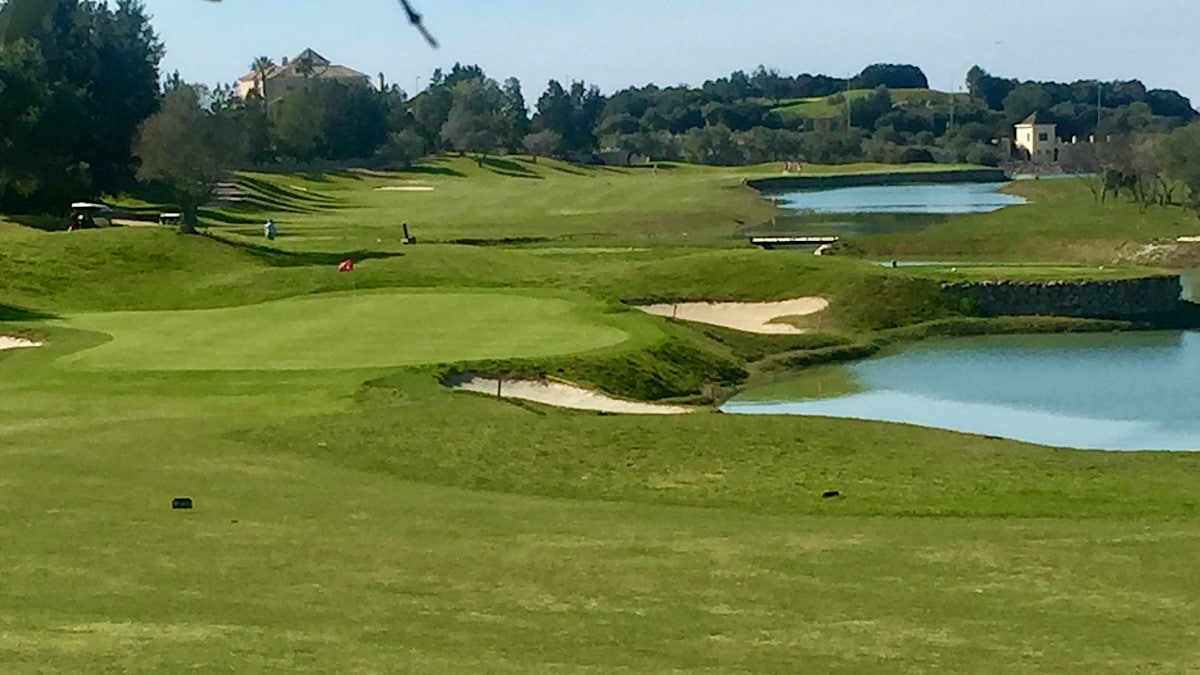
[
  {"x": 1063, "y": 222},
  {"x": 365, "y": 519}
]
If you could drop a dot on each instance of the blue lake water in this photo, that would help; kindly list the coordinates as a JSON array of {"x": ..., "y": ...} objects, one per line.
[
  {"x": 1127, "y": 391},
  {"x": 948, "y": 198}
]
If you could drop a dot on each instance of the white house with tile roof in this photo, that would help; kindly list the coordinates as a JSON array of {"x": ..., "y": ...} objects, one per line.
[{"x": 291, "y": 74}]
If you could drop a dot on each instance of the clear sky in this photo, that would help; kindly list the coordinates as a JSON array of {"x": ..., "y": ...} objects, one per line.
[{"x": 618, "y": 43}]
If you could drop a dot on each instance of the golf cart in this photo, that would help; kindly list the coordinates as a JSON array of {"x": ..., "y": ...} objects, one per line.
[{"x": 89, "y": 214}]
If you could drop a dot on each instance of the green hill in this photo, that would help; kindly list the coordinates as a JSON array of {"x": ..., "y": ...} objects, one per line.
[{"x": 820, "y": 107}]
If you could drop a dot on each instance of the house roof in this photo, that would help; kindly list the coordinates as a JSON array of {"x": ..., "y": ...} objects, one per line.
[
  {"x": 322, "y": 68},
  {"x": 1032, "y": 120}
]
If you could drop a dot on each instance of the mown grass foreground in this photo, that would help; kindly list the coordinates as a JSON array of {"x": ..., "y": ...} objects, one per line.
[{"x": 353, "y": 515}]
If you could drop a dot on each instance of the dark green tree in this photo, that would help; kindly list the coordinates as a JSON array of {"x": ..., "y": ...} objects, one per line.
[
  {"x": 1182, "y": 159},
  {"x": 988, "y": 89},
  {"x": 866, "y": 111},
  {"x": 430, "y": 109},
  {"x": 890, "y": 75},
  {"x": 573, "y": 114},
  {"x": 515, "y": 114},
  {"x": 711, "y": 145}
]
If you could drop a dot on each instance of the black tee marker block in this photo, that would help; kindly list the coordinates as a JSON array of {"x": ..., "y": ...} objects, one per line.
[{"x": 181, "y": 503}]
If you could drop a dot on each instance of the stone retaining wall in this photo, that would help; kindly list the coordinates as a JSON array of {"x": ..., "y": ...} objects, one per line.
[{"x": 1107, "y": 299}]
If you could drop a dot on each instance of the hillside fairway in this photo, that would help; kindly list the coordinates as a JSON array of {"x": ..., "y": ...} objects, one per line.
[
  {"x": 511, "y": 199},
  {"x": 352, "y": 330},
  {"x": 821, "y": 107}
]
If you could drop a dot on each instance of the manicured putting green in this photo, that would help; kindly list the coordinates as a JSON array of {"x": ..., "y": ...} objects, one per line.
[{"x": 350, "y": 330}]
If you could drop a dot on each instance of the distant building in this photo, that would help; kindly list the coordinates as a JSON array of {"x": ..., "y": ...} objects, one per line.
[
  {"x": 1036, "y": 140},
  {"x": 291, "y": 74}
]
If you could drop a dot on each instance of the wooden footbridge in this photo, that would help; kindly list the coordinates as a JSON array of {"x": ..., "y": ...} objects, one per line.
[{"x": 770, "y": 242}]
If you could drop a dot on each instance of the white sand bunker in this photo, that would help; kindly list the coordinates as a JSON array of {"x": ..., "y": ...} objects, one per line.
[
  {"x": 563, "y": 395},
  {"x": 14, "y": 342},
  {"x": 405, "y": 188},
  {"x": 752, "y": 317}
]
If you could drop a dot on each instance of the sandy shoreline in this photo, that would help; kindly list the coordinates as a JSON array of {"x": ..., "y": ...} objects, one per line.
[
  {"x": 563, "y": 395},
  {"x": 751, "y": 317}
]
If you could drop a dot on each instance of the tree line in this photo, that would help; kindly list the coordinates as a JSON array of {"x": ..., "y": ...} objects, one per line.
[
  {"x": 72, "y": 94},
  {"x": 84, "y": 111}
]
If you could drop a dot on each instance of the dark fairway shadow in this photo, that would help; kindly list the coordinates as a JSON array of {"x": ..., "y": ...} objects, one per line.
[
  {"x": 14, "y": 313},
  {"x": 507, "y": 167},
  {"x": 573, "y": 171},
  {"x": 225, "y": 218},
  {"x": 277, "y": 258},
  {"x": 44, "y": 223},
  {"x": 432, "y": 171}
]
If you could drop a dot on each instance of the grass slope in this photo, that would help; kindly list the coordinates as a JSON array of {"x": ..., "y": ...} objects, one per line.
[{"x": 365, "y": 519}]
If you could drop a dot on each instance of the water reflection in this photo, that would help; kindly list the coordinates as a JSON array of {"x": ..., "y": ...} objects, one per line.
[
  {"x": 856, "y": 211},
  {"x": 1129, "y": 391}
]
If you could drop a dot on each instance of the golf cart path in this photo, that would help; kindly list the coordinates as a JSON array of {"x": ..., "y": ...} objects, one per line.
[
  {"x": 751, "y": 317},
  {"x": 564, "y": 395}
]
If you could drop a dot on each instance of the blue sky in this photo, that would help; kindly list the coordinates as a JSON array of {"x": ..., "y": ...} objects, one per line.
[{"x": 617, "y": 43}]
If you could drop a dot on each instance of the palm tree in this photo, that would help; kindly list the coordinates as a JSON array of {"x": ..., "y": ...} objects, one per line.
[
  {"x": 262, "y": 67},
  {"x": 305, "y": 66}
]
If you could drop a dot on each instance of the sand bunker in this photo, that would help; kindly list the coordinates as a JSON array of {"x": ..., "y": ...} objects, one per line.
[
  {"x": 14, "y": 342},
  {"x": 405, "y": 188},
  {"x": 565, "y": 395},
  {"x": 752, "y": 317}
]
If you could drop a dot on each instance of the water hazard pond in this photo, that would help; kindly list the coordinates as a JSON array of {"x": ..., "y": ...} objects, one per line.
[
  {"x": 880, "y": 209},
  {"x": 939, "y": 198},
  {"x": 1126, "y": 391}
]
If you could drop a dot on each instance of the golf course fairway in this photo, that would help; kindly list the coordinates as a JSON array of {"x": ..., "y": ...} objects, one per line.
[{"x": 352, "y": 330}]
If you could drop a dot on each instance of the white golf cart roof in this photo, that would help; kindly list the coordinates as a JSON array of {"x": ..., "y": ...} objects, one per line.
[{"x": 89, "y": 206}]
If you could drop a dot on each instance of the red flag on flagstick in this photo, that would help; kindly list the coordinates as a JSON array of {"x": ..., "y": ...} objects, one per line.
[{"x": 346, "y": 265}]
